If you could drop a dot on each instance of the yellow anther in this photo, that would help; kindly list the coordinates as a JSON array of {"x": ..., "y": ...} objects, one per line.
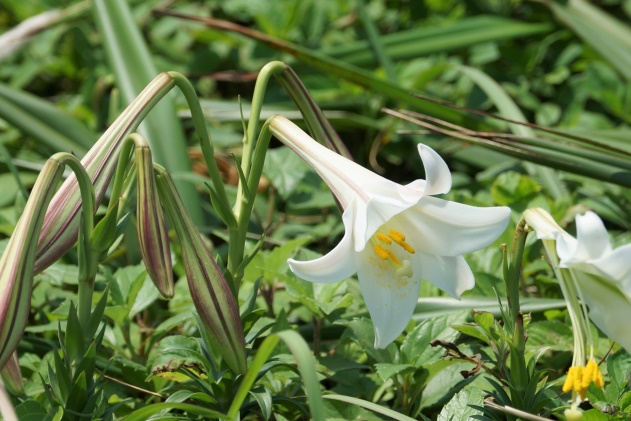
[
  {"x": 399, "y": 238},
  {"x": 592, "y": 374},
  {"x": 381, "y": 252},
  {"x": 384, "y": 238},
  {"x": 393, "y": 257},
  {"x": 396, "y": 236},
  {"x": 573, "y": 379}
]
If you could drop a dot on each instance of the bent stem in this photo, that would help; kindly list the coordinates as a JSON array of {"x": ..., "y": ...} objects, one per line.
[{"x": 87, "y": 257}]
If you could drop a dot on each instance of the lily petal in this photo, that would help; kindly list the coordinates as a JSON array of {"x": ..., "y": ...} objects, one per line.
[
  {"x": 336, "y": 265},
  {"x": 608, "y": 307},
  {"x": 341, "y": 174},
  {"x": 615, "y": 265},
  {"x": 593, "y": 241},
  {"x": 390, "y": 300},
  {"x": 448, "y": 228},
  {"x": 451, "y": 274},
  {"x": 436, "y": 171}
]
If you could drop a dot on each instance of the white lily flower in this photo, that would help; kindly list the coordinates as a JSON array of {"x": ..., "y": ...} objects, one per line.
[
  {"x": 395, "y": 235},
  {"x": 602, "y": 274}
]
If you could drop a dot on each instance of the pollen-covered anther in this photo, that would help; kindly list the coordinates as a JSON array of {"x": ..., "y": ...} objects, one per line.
[
  {"x": 384, "y": 238},
  {"x": 592, "y": 374},
  {"x": 399, "y": 238},
  {"x": 381, "y": 252},
  {"x": 385, "y": 254}
]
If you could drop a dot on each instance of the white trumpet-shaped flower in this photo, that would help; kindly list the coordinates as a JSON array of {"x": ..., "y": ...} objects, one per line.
[
  {"x": 395, "y": 235},
  {"x": 602, "y": 275}
]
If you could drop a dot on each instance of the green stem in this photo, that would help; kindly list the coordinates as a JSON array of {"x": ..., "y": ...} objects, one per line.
[
  {"x": 237, "y": 238},
  {"x": 206, "y": 143},
  {"x": 87, "y": 258},
  {"x": 514, "y": 270}
]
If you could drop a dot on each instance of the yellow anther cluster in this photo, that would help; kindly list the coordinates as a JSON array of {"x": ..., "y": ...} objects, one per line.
[
  {"x": 579, "y": 378},
  {"x": 399, "y": 238}
]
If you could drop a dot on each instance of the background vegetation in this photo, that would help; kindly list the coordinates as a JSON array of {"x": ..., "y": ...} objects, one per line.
[{"x": 549, "y": 63}]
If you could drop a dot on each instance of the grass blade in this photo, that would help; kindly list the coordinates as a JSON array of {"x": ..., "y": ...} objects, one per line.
[
  {"x": 370, "y": 406},
  {"x": 44, "y": 122}
]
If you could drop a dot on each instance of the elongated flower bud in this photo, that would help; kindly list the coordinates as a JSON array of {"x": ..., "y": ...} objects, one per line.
[
  {"x": 16, "y": 264},
  {"x": 211, "y": 294},
  {"x": 12, "y": 376},
  {"x": 151, "y": 226},
  {"x": 61, "y": 224}
]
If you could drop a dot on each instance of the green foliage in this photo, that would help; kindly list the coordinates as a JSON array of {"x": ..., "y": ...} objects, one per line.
[{"x": 310, "y": 347}]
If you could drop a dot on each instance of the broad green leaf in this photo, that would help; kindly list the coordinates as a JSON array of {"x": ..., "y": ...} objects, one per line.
[
  {"x": 459, "y": 407},
  {"x": 285, "y": 170},
  {"x": 416, "y": 349},
  {"x": 175, "y": 352},
  {"x": 511, "y": 187},
  {"x": 553, "y": 334},
  {"x": 386, "y": 370},
  {"x": 365, "y": 334},
  {"x": 618, "y": 369}
]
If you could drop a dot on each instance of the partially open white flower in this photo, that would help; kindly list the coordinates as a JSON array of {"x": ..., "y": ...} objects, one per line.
[
  {"x": 602, "y": 274},
  {"x": 395, "y": 235}
]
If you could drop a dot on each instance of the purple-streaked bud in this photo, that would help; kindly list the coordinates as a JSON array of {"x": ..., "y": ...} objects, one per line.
[
  {"x": 61, "y": 224},
  {"x": 153, "y": 237},
  {"x": 12, "y": 376},
  {"x": 16, "y": 264},
  {"x": 213, "y": 299}
]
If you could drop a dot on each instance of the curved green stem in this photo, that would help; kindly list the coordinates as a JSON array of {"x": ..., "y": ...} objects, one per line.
[
  {"x": 87, "y": 257},
  {"x": 208, "y": 151}
]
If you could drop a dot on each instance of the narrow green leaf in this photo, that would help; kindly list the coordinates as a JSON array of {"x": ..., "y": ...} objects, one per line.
[
  {"x": 306, "y": 366},
  {"x": 370, "y": 406},
  {"x": 149, "y": 410},
  {"x": 44, "y": 122}
]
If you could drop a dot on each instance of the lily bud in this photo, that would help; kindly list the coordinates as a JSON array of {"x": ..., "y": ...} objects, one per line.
[
  {"x": 151, "y": 226},
  {"x": 12, "y": 376},
  {"x": 211, "y": 294},
  {"x": 16, "y": 264},
  {"x": 61, "y": 224}
]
